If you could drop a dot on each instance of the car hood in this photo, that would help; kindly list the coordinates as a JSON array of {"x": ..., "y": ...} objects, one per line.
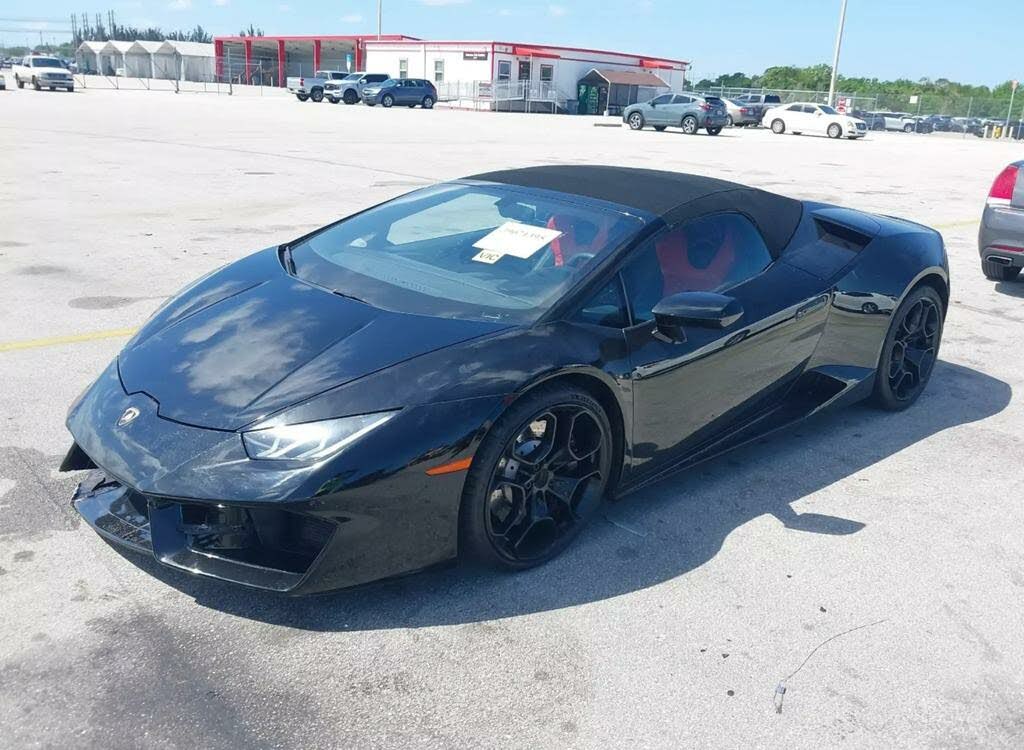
[
  {"x": 65, "y": 71},
  {"x": 250, "y": 340}
]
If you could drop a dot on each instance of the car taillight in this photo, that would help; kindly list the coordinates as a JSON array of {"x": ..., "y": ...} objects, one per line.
[
  {"x": 302, "y": 82},
  {"x": 1002, "y": 188},
  {"x": 705, "y": 106}
]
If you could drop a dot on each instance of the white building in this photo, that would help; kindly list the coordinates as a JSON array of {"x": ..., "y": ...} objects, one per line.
[
  {"x": 514, "y": 76},
  {"x": 182, "y": 61}
]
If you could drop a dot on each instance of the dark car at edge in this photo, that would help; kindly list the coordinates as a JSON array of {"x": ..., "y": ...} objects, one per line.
[{"x": 471, "y": 369}]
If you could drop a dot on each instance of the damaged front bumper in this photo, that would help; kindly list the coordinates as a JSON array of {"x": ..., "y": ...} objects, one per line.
[{"x": 263, "y": 547}]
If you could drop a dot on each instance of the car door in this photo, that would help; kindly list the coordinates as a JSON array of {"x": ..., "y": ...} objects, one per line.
[
  {"x": 794, "y": 117},
  {"x": 686, "y": 393},
  {"x": 681, "y": 106},
  {"x": 817, "y": 119},
  {"x": 659, "y": 110}
]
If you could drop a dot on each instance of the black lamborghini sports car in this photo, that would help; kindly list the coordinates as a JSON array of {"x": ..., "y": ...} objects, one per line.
[{"x": 474, "y": 367}]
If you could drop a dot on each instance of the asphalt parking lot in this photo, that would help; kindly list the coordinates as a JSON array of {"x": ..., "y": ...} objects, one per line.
[{"x": 675, "y": 617}]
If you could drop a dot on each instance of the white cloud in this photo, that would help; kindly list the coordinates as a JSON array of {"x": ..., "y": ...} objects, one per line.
[
  {"x": 557, "y": 11},
  {"x": 179, "y": 5},
  {"x": 221, "y": 3},
  {"x": 440, "y": 3},
  {"x": 351, "y": 18},
  {"x": 284, "y": 8}
]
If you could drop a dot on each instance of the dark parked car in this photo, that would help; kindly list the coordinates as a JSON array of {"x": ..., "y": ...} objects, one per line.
[
  {"x": 1001, "y": 238},
  {"x": 690, "y": 112},
  {"x": 940, "y": 123},
  {"x": 759, "y": 103},
  {"x": 474, "y": 367},
  {"x": 408, "y": 91}
]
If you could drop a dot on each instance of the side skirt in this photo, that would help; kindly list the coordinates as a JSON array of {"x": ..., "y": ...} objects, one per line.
[{"x": 816, "y": 390}]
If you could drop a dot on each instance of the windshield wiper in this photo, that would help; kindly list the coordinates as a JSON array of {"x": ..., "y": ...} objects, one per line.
[
  {"x": 286, "y": 258},
  {"x": 349, "y": 296}
]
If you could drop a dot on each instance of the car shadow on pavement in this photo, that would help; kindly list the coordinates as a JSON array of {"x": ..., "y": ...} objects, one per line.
[
  {"x": 1010, "y": 288},
  {"x": 654, "y": 535}
]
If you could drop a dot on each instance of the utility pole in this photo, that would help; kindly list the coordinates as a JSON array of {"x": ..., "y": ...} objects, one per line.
[
  {"x": 835, "y": 57},
  {"x": 1009, "y": 112},
  {"x": 380, "y": 16}
]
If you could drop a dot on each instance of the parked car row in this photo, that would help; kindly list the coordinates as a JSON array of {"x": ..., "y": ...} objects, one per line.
[{"x": 370, "y": 88}]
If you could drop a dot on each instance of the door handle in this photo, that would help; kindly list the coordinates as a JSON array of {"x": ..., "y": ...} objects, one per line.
[
  {"x": 811, "y": 306},
  {"x": 736, "y": 338}
]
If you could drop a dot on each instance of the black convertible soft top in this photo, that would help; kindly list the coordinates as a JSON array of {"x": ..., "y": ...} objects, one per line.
[{"x": 674, "y": 196}]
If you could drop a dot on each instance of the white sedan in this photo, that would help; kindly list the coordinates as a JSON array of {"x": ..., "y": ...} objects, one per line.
[{"x": 807, "y": 117}]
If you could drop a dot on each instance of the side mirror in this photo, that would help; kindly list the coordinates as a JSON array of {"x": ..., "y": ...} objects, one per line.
[
  {"x": 653, "y": 104},
  {"x": 703, "y": 309},
  {"x": 819, "y": 113}
]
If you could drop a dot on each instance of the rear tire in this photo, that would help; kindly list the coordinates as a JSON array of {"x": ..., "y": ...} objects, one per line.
[
  {"x": 21, "y": 83},
  {"x": 689, "y": 125},
  {"x": 908, "y": 128},
  {"x": 333, "y": 99},
  {"x": 317, "y": 94},
  {"x": 730, "y": 123},
  {"x": 778, "y": 126},
  {"x": 428, "y": 102},
  {"x": 660, "y": 128},
  {"x": 999, "y": 272},
  {"x": 302, "y": 97},
  {"x": 524, "y": 501},
  {"x": 714, "y": 131},
  {"x": 910, "y": 350}
]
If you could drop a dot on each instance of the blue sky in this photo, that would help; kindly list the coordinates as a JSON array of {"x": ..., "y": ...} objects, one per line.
[{"x": 967, "y": 41}]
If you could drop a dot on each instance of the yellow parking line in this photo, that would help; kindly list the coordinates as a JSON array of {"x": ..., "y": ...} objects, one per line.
[
  {"x": 76, "y": 338},
  {"x": 957, "y": 224}
]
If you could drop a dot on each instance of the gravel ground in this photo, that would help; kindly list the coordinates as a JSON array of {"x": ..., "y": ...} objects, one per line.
[{"x": 672, "y": 620}]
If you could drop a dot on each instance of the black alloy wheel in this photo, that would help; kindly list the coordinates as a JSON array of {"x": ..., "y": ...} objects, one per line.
[
  {"x": 714, "y": 131},
  {"x": 910, "y": 350},
  {"x": 350, "y": 97},
  {"x": 317, "y": 94},
  {"x": 539, "y": 476}
]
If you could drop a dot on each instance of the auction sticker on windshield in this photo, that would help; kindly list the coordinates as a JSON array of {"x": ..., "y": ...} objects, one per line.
[{"x": 515, "y": 239}]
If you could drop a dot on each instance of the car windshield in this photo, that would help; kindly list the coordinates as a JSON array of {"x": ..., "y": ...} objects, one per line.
[
  {"x": 46, "y": 62},
  {"x": 827, "y": 109},
  {"x": 352, "y": 77},
  {"x": 388, "y": 82},
  {"x": 473, "y": 251}
]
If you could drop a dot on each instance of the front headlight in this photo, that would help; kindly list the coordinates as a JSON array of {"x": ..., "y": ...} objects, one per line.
[{"x": 312, "y": 441}]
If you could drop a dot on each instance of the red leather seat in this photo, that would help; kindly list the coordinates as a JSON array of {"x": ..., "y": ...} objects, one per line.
[
  {"x": 578, "y": 236},
  {"x": 681, "y": 272}
]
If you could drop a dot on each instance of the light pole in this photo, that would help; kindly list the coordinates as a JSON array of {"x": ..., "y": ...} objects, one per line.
[
  {"x": 835, "y": 56},
  {"x": 380, "y": 16}
]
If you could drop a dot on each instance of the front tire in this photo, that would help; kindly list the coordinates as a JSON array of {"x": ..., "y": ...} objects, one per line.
[
  {"x": 387, "y": 101},
  {"x": 689, "y": 125},
  {"x": 539, "y": 475},
  {"x": 35, "y": 84},
  {"x": 350, "y": 97},
  {"x": 835, "y": 131},
  {"x": 999, "y": 272},
  {"x": 778, "y": 126},
  {"x": 910, "y": 350},
  {"x": 635, "y": 121}
]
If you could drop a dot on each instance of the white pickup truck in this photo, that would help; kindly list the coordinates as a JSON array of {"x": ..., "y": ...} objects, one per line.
[
  {"x": 312, "y": 87},
  {"x": 42, "y": 72}
]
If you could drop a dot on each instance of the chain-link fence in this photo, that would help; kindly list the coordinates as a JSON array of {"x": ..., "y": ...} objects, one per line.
[{"x": 994, "y": 108}]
